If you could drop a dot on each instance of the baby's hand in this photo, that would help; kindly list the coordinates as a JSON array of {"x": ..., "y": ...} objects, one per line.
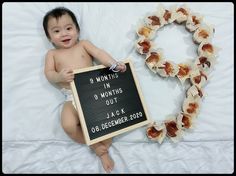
[
  {"x": 66, "y": 75},
  {"x": 120, "y": 67}
]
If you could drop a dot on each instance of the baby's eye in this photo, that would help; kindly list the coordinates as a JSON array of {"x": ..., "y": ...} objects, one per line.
[
  {"x": 56, "y": 31},
  {"x": 69, "y": 28}
]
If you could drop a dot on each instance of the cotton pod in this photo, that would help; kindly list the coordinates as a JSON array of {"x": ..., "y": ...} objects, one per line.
[
  {"x": 173, "y": 131},
  {"x": 154, "y": 20},
  {"x": 205, "y": 64},
  {"x": 167, "y": 68},
  {"x": 198, "y": 77},
  {"x": 191, "y": 106},
  {"x": 156, "y": 132},
  {"x": 182, "y": 13},
  {"x": 144, "y": 31},
  {"x": 185, "y": 121},
  {"x": 153, "y": 58},
  {"x": 143, "y": 45},
  {"x": 207, "y": 49},
  {"x": 184, "y": 71},
  {"x": 195, "y": 92},
  {"x": 194, "y": 21},
  {"x": 203, "y": 33},
  {"x": 168, "y": 15}
]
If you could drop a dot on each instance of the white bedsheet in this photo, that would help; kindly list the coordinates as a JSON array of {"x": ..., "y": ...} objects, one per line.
[{"x": 33, "y": 140}]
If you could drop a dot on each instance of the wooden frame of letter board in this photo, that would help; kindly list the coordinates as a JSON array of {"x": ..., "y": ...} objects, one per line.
[{"x": 80, "y": 111}]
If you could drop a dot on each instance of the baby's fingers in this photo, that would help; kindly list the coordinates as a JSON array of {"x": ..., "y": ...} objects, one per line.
[
  {"x": 70, "y": 78},
  {"x": 121, "y": 68}
]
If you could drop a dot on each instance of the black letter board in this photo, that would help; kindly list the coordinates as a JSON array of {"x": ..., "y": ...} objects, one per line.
[{"x": 108, "y": 103}]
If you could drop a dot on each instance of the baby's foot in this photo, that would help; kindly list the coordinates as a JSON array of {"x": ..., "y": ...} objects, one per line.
[{"x": 107, "y": 162}]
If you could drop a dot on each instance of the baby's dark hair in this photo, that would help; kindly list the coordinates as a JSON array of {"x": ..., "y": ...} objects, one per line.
[{"x": 57, "y": 13}]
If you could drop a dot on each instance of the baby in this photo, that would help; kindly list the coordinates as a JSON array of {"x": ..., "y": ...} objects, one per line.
[{"x": 61, "y": 28}]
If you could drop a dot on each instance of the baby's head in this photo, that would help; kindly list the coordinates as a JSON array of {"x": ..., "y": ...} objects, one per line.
[{"x": 61, "y": 27}]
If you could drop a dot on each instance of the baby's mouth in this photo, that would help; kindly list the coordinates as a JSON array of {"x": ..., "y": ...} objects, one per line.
[{"x": 66, "y": 40}]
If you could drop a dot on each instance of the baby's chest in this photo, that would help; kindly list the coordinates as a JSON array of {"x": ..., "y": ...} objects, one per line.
[{"x": 73, "y": 61}]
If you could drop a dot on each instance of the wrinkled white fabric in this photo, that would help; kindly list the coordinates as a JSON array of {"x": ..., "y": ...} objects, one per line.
[{"x": 33, "y": 139}]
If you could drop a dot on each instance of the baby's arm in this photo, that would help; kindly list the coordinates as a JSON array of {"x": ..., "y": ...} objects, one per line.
[
  {"x": 102, "y": 56},
  {"x": 65, "y": 75}
]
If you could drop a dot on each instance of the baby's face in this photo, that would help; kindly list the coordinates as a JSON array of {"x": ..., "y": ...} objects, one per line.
[{"x": 62, "y": 32}]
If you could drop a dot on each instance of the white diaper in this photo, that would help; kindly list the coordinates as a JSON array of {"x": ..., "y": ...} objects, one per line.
[{"x": 68, "y": 95}]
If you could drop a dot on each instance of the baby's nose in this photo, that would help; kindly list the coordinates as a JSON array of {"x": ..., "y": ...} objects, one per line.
[{"x": 64, "y": 32}]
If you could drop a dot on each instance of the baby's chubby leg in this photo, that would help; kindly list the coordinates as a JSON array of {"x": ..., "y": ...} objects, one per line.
[
  {"x": 107, "y": 142},
  {"x": 102, "y": 146},
  {"x": 70, "y": 123},
  {"x": 101, "y": 149}
]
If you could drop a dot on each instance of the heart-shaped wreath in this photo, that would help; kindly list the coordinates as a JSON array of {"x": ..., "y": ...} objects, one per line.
[{"x": 196, "y": 71}]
